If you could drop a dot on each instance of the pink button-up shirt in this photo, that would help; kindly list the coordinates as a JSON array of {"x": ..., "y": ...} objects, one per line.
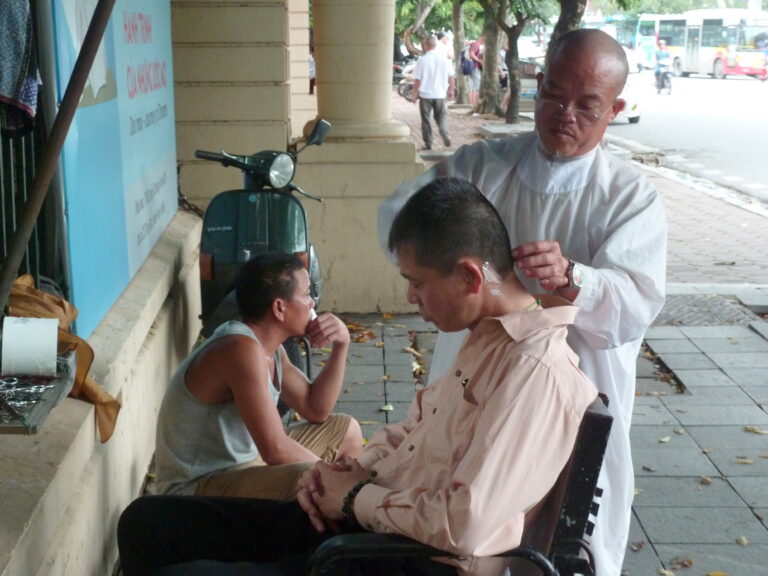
[{"x": 482, "y": 445}]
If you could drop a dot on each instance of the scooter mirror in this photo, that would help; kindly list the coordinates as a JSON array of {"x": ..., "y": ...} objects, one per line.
[{"x": 319, "y": 132}]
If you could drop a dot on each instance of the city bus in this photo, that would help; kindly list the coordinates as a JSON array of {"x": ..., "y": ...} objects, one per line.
[
  {"x": 654, "y": 27},
  {"x": 725, "y": 42}
]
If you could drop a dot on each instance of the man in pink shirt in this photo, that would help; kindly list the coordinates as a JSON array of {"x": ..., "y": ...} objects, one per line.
[{"x": 480, "y": 449}]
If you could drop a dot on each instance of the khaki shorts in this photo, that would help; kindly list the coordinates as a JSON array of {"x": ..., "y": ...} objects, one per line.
[{"x": 256, "y": 479}]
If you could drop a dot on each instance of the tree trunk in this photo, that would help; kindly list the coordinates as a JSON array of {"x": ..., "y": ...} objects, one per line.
[
  {"x": 571, "y": 12},
  {"x": 512, "y": 60},
  {"x": 462, "y": 87},
  {"x": 489, "y": 83}
]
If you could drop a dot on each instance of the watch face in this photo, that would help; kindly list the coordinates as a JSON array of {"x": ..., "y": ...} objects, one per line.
[{"x": 577, "y": 275}]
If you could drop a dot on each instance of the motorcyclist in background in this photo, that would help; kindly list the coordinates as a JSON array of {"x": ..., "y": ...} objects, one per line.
[{"x": 662, "y": 60}]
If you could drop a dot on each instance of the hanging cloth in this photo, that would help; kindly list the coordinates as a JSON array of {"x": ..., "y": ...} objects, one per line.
[
  {"x": 18, "y": 72},
  {"x": 26, "y": 301}
]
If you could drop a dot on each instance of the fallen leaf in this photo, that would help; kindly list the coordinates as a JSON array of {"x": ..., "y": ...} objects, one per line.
[
  {"x": 417, "y": 368},
  {"x": 679, "y": 431},
  {"x": 412, "y": 351},
  {"x": 742, "y": 541},
  {"x": 755, "y": 430},
  {"x": 636, "y": 546},
  {"x": 664, "y": 572},
  {"x": 321, "y": 363},
  {"x": 364, "y": 336},
  {"x": 681, "y": 562},
  {"x": 326, "y": 350},
  {"x": 649, "y": 469},
  {"x": 743, "y": 460},
  {"x": 665, "y": 439},
  {"x": 369, "y": 422},
  {"x": 379, "y": 344},
  {"x": 706, "y": 450},
  {"x": 356, "y": 327},
  {"x": 638, "y": 491},
  {"x": 763, "y": 455},
  {"x": 387, "y": 316},
  {"x": 387, "y": 408},
  {"x": 706, "y": 480},
  {"x": 718, "y": 573},
  {"x": 385, "y": 378}
]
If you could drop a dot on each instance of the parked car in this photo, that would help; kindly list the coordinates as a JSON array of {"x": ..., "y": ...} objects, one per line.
[{"x": 631, "y": 95}]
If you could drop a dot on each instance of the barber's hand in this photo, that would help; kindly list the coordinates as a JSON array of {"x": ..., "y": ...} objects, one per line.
[
  {"x": 326, "y": 330},
  {"x": 543, "y": 260}
]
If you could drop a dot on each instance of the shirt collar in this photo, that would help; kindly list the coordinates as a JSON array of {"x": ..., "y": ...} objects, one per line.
[{"x": 520, "y": 325}]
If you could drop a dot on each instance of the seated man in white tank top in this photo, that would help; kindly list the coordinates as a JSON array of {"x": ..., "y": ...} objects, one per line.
[{"x": 219, "y": 431}]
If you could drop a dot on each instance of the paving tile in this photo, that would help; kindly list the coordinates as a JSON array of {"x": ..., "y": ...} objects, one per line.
[
  {"x": 758, "y": 393},
  {"x": 660, "y": 461},
  {"x": 664, "y": 332},
  {"x": 717, "y": 437},
  {"x": 696, "y": 525},
  {"x": 394, "y": 350},
  {"x": 689, "y": 378},
  {"x": 718, "y": 415},
  {"x": 753, "y": 343},
  {"x": 645, "y": 368},
  {"x": 399, "y": 372},
  {"x": 730, "y": 559},
  {"x": 653, "y": 387},
  {"x": 640, "y": 557},
  {"x": 367, "y": 414},
  {"x": 362, "y": 391},
  {"x": 400, "y": 391},
  {"x": 676, "y": 346},
  {"x": 761, "y": 327},
  {"x": 748, "y": 376},
  {"x": 363, "y": 372},
  {"x": 651, "y": 436},
  {"x": 743, "y": 360},
  {"x": 708, "y": 395},
  {"x": 699, "y": 361},
  {"x": 361, "y": 354},
  {"x": 687, "y": 491},
  {"x": 398, "y": 413},
  {"x": 740, "y": 461},
  {"x": 754, "y": 490},
  {"x": 717, "y": 331},
  {"x": 652, "y": 414}
]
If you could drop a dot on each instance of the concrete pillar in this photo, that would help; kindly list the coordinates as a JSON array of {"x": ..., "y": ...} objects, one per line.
[
  {"x": 366, "y": 155},
  {"x": 353, "y": 55}
]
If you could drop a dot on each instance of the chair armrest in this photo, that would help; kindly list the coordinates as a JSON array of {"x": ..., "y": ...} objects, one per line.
[{"x": 372, "y": 545}]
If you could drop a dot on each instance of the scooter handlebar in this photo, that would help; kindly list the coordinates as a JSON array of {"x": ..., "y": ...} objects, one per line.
[{"x": 205, "y": 155}]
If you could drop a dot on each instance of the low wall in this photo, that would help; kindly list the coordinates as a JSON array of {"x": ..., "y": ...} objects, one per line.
[{"x": 61, "y": 490}]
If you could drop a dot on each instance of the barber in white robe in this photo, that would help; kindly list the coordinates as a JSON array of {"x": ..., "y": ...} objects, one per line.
[{"x": 585, "y": 225}]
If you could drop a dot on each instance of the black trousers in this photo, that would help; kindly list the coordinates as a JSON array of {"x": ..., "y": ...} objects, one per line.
[{"x": 190, "y": 535}]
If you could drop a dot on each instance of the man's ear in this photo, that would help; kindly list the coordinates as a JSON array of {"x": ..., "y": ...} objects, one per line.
[
  {"x": 471, "y": 274},
  {"x": 278, "y": 309},
  {"x": 618, "y": 105}
]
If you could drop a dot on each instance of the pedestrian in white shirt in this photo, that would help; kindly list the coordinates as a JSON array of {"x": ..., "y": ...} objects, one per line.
[
  {"x": 586, "y": 226},
  {"x": 433, "y": 83}
]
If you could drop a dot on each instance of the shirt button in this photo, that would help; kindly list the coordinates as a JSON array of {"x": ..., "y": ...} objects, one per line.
[
  {"x": 434, "y": 410},
  {"x": 410, "y": 448},
  {"x": 465, "y": 382},
  {"x": 458, "y": 373},
  {"x": 374, "y": 473}
]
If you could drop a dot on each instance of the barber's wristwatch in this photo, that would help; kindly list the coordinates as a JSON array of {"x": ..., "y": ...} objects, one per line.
[{"x": 575, "y": 276}]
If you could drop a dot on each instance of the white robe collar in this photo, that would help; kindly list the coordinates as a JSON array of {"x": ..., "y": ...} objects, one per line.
[{"x": 540, "y": 172}]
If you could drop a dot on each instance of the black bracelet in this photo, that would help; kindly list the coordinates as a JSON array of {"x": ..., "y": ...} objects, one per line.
[{"x": 348, "y": 504}]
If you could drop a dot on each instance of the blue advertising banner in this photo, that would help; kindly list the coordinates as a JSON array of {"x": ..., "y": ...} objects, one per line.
[{"x": 119, "y": 159}]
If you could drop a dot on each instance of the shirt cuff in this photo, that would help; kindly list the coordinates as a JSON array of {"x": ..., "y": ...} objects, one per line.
[
  {"x": 366, "y": 502},
  {"x": 586, "y": 299}
]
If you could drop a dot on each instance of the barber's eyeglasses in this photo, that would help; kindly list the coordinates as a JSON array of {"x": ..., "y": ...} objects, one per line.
[{"x": 583, "y": 115}]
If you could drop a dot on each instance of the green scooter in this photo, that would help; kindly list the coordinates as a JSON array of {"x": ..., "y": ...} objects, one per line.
[{"x": 265, "y": 216}]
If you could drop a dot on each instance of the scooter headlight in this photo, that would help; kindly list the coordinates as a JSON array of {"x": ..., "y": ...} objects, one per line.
[{"x": 281, "y": 170}]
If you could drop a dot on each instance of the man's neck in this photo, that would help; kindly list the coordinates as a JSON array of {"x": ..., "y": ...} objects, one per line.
[
  {"x": 507, "y": 297},
  {"x": 270, "y": 336}
]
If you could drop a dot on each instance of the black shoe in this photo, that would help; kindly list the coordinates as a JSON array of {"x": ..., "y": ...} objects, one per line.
[
  {"x": 447, "y": 142},
  {"x": 425, "y": 148}
]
